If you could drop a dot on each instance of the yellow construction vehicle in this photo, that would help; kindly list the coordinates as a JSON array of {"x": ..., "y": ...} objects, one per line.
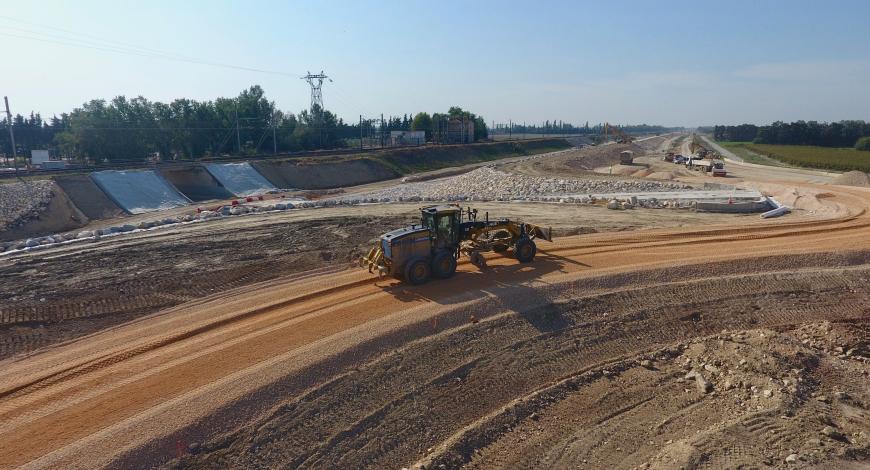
[
  {"x": 445, "y": 232},
  {"x": 621, "y": 137}
]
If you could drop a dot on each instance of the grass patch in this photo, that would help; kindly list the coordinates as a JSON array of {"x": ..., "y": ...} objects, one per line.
[
  {"x": 826, "y": 158},
  {"x": 739, "y": 149}
]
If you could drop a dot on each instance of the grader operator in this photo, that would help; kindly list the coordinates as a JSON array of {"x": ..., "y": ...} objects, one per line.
[{"x": 432, "y": 248}]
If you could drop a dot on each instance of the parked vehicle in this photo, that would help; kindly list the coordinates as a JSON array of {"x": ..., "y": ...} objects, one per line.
[{"x": 691, "y": 160}]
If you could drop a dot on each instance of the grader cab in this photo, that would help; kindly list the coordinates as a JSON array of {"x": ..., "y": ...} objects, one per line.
[{"x": 446, "y": 232}]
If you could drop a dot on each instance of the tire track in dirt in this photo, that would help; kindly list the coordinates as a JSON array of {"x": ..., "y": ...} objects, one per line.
[{"x": 375, "y": 436}]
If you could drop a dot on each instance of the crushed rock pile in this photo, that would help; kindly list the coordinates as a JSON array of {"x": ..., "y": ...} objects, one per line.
[
  {"x": 22, "y": 202},
  {"x": 487, "y": 184},
  {"x": 853, "y": 178}
]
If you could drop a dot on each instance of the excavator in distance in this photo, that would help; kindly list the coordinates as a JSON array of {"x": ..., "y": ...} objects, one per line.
[
  {"x": 621, "y": 137},
  {"x": 432, "y": 248}
]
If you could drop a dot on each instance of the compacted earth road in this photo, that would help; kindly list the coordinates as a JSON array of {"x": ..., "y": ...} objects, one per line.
[{"x": 716, "y": 345}]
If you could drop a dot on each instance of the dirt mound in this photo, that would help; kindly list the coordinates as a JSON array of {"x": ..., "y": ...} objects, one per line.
[
  {"x": 410, "y": 160},
  {"x": 353, "y": 170},
  {"x": 59, "y": 214},
  {"x": 655, "y": 143},
  {"x": 661, "y": 175},
  {"x": 88, "y": 197},
  {"x": 580, "y": 162},
  {"x": 298, "y": 175},
  {"x": 195, "y": 182},
  {"x": 853, "y": 178}
]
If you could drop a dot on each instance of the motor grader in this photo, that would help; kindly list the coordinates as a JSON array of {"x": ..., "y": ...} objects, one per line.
[{"x": 446, "y": 232}]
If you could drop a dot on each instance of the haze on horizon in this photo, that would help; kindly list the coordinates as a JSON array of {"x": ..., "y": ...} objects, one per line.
[{"x": 675, "y": 63}]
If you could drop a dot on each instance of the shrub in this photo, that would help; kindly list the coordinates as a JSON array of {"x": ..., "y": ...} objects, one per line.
[{"x": 863, "y": 143}]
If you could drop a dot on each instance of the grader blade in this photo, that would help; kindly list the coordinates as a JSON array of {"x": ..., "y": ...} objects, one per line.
[{"x": 540, "y": 232}]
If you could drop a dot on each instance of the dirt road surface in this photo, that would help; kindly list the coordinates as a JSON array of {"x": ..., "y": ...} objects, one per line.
[{"x": 716, "y": 345}]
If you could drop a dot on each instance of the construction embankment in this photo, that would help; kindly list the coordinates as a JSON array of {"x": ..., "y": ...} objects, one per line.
[
  {"x": 240, "y": 179},
  {"x": 324, "y": 175},
  {"x": 195, "y": 182},
  {"x": 139, "y": 191},
  {"x": 57, "y": 214},
  {"x": 337, "y": 172},
  {"x": 76, "y": 200},
  {"x": 88, "y": 197}
]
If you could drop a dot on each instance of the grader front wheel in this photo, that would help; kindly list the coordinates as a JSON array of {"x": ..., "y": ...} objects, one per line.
[
  {"x": 525, "y": 250},
  {"x": 477, "y": 259},
  {"x": 444, "y": 265},
  {"x": 417, "y": 271}
]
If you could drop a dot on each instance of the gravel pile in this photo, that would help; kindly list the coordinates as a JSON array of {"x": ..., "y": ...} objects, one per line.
[
  {"x": 487, "y": 184},
  {"x": 22, "y": 202}
]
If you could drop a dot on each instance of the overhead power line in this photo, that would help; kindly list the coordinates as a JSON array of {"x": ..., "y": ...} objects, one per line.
[
  {"x": 88, "y": 41},
  {"x": 70, "y": 38}
]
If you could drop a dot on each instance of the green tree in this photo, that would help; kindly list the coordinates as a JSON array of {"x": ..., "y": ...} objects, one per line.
[
  {"x": 863, "y": 143},
  {"x": 423, "y": 122}
]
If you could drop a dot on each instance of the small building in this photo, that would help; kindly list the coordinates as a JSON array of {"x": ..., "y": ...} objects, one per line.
[
  {"x": 43, "y": 159},
  {"x": 626, "y": 157},
  {"x": 38, "y": 157},
  {"x": 399, "y": 138}
]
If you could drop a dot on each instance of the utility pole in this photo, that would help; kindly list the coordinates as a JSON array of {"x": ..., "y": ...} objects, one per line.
[
  {"x": 274, "y": 139},
  {"x": 360, "y": 133},
  {"x": 238, "y": 134},
  {"x": 11, "y": 135},
  {"x": 382, "y": 131},
  {"x": 511, "y": 130}
]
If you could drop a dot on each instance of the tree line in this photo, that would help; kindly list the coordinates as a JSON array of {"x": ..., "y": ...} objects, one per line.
[
  {"x": 823, "y": 134},
  {"x": 560, "y": 127},
  {"x": 438, "y": 122},
  {"x": 133, "y": 130}
]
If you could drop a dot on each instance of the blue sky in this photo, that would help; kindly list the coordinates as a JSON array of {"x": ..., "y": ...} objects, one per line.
[{"x": 675, "y": 63}]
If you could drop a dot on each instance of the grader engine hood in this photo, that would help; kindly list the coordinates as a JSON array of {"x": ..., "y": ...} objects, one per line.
[{"x": 399, "y": 242}]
